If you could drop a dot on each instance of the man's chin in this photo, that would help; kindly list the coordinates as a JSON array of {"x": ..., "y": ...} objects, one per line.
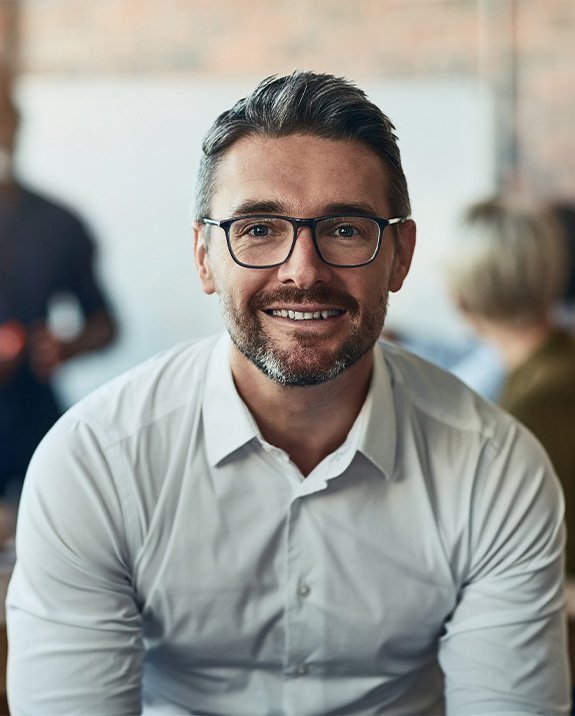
[
  {"x": 301, "y": 359},
  {"x": 294, "y": 378},
  {"x": 301, "y": 368}
]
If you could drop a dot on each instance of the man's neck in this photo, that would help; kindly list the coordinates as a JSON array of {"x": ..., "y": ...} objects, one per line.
[{"x": 308, "y": 423}]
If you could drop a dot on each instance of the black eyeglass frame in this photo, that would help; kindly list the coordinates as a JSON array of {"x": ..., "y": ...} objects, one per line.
[{"x": 297, "y": 224}]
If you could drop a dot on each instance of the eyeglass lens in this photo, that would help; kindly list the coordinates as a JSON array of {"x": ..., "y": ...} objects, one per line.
[{"x": 344, "y": 240}]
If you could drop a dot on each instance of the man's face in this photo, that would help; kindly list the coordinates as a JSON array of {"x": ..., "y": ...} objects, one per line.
[{"x": 334, "y": 315}]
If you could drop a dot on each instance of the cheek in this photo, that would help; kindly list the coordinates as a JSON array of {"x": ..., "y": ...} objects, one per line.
[
  {"x": 235, "y": 284},
  {"x": 372, "y": 290}
]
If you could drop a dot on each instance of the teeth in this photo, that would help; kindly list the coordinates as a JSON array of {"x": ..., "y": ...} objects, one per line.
[{"x": 304, "y": 316}]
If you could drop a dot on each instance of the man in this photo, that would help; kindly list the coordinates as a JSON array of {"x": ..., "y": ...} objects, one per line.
[
  {"x": 294, "y": 519},
  {"x": 45, "y": 252}
]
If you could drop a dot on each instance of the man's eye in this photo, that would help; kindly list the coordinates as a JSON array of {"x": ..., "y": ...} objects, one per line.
[
  {"x": 259, "y": 230},
  {"x": 346, "y": 232},
  {"x": 263, "y": 229}
]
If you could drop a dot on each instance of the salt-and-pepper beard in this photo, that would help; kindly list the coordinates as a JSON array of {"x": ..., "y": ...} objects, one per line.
[{"x": 296, "y": 367}]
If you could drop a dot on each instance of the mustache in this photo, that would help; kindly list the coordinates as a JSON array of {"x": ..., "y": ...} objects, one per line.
[{"x": 298, "y": 297}]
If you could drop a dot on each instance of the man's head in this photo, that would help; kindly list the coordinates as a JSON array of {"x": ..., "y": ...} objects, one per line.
[
  {"x": 305, "y": 103},
  {"x": 508, "y": 264},
  {"x": 298, "y": 148}
]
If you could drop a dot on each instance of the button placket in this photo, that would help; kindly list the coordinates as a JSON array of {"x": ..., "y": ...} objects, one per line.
[{"x": 299, "y": 640}]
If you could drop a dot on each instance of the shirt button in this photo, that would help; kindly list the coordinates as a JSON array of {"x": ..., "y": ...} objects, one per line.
[
  {"x": 304, "y": 590},
  {"x": 301, "y": 669}
]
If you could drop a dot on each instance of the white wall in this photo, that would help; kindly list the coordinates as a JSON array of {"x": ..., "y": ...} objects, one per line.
[{"x": 124, "y": 153}]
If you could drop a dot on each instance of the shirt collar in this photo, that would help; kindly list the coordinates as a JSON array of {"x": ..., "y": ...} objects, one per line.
[
  {"x": 229, "y": 425},
  {"x": 379, "y": 429}
]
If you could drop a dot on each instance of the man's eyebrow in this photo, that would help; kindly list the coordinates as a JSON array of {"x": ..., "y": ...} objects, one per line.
[
  {"x": 272, "y": 206},
  {"x": 251, "y": 206},
  {"x": 344, "y": 209}
]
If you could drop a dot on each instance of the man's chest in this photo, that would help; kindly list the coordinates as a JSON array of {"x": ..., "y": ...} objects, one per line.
[{"x": 264, "y": 578}]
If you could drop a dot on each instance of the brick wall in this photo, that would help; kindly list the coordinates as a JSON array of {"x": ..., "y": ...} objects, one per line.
[{"x": 524, "y": 49}]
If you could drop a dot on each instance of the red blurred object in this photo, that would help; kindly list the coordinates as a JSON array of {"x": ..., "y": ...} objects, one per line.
[{"x": 12, "y": 340}]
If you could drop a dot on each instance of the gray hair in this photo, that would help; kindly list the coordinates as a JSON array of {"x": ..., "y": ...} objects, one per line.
[
  {"x": 509, "y": 261},
  {"x": 304, "y": 103}
]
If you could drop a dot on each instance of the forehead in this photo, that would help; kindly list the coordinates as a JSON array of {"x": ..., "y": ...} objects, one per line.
[{"x": 300, "y": 174}]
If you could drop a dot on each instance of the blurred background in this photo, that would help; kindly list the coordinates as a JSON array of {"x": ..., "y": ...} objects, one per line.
[{"x": 116, "y": 95}]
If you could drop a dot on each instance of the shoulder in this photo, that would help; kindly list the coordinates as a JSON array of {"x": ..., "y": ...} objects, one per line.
[
  {"x": 462, "y": 438},
  {"x": 438, "y": 395},
  {"x": 489, "y": 481},
  {"x": 104, "y": 464},
  {"x": 49, "y": 204},
  {"x": 54, "y": 213},
  {"x": 146, "y": 394}
]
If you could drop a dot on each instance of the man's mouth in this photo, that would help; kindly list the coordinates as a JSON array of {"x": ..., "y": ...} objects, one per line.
[{"x": 304, "y": 315}]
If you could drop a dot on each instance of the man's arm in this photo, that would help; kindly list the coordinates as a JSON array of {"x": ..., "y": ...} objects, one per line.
[
  {"x": 47, "y": 352},
  {"x": 74, "y": 626},
  {"x": 504, "y": 649}
]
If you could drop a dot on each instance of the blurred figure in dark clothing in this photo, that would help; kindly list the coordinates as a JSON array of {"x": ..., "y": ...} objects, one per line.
[{"x": 45, "y": 252}]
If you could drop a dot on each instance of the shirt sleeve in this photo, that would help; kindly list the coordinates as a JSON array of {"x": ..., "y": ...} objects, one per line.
[
  {"x": 504, "y": 649},
  {"x": 74, "y": 626}
]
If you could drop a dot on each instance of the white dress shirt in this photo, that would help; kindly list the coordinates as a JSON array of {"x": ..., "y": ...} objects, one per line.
[{"x": 170, "y": 560}]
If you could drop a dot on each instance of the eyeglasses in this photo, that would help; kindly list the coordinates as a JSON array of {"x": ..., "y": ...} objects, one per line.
[{"x": 267, "y": 241}]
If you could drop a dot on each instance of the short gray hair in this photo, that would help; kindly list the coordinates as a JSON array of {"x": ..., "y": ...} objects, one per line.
[
  {"x": 304, "y": 103},
  {"x": 508, "y": 263}
]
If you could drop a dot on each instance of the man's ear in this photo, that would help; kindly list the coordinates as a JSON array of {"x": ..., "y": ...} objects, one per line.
[
  {"x": 404, "y": 247},
  {"x": 202, "y": 259}
]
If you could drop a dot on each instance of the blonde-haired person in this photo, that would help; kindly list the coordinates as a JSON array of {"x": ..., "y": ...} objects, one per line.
[{"x": 507, "y": 276}]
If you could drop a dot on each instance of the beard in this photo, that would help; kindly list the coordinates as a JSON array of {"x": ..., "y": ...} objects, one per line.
[{"x": 306, "y": 362}]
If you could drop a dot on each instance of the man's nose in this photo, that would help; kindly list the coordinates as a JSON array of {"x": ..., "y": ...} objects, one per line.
[{"x": 304, "y": 267}]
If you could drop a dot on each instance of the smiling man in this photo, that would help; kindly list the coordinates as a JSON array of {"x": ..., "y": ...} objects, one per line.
[{"x": 292, "y": 518}]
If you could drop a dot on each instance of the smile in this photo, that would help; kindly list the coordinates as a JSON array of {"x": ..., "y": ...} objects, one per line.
[{"x": 304, "y": 315}]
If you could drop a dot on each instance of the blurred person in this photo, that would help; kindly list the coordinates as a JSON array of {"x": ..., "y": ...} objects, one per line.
[
  {"x": 477, "y": 362},
  {"x": 291, "y": 517},
  {"x": 45, "y": 251},
  {"x": 508, "y": 273}
]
